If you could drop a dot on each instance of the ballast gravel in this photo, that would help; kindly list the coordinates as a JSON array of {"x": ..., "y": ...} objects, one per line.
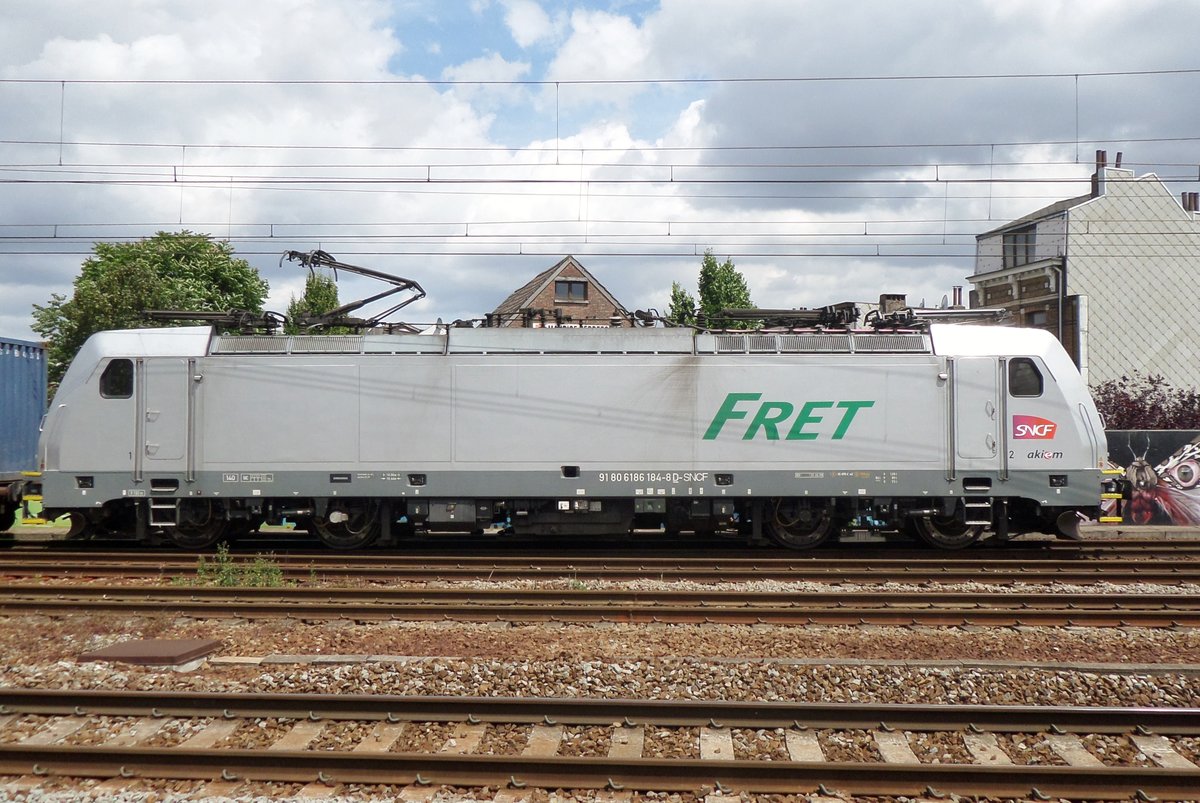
[
  {"x": 1156, "y": 668},
  {"x": 714, "y": 662}
]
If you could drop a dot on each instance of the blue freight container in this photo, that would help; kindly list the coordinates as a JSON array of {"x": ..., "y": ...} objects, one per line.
[{"x": 22, "y": 403}]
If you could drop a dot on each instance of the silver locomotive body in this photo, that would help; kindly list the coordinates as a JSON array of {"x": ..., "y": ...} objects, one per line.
[{"x": 184, "y": 434}]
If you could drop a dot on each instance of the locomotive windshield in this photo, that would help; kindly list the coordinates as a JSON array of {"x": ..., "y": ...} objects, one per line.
[
  {"x": 1024, "y": 378},
  {"x": 117, "y": 380}
]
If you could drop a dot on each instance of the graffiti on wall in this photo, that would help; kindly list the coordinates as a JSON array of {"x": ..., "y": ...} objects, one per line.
[{"x": 1163, "y": 467}]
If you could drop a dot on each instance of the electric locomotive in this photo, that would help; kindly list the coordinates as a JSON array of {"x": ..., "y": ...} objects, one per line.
[{"x": 945, "y": 432}]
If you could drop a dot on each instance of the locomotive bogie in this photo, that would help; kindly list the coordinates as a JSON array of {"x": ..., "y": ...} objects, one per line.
[{"x": 943, "y": 434}]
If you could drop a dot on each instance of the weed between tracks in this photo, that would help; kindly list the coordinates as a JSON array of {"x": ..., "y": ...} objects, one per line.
[{"x": 223, "y": 570}]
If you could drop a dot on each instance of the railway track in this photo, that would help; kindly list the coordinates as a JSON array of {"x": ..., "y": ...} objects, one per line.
[
  {"x": 391, "y": 568},
  {"x": 924, "y": 608},
  {"x": 37, "y": 729},
  {"x": 1185, "y": 544}
]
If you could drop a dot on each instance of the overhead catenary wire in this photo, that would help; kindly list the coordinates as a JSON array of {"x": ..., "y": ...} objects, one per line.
[
  {"x": 560, "y": 148},
  {"x": 557, "y": 249},
  {"x": 690, "y": 169},
  {"x": 548, "y": 82}
]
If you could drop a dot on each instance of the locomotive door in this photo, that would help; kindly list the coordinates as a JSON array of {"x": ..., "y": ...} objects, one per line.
[
  {"x": 976, "y": 414},
  {"x": 164, "y": 413}
]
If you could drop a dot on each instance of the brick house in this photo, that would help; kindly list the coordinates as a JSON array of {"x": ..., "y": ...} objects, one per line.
[
  {"x": 1112, "y": 274},
  {"x": 566, "y": 294}
]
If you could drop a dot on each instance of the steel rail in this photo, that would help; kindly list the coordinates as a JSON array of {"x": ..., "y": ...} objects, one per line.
[
  {"x": 682, "y": 555},
  {"x": 598, "y": 773},
  {"x": 400, "y": 569},
  {"x": 570, "y": 772},
  {"x": 1187, "y": 542},
  {"x": 631, "y": 613},
  {"x": 598, "y": 711},
  {"x": 925, "y": 599}
]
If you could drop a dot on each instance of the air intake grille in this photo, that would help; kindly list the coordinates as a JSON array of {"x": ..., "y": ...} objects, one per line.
[
  {"x": 299, "y": 344},
  {"x": 762, "y": 344},
  {"x": 327, "y": 344},
  {"x": 251, "y": 344},
  {"x": 815, "y": 343},
  {"x": 822, "y": 343},
  {"x": 731, "y": 344},
  {"x": 891, "y": 342}
]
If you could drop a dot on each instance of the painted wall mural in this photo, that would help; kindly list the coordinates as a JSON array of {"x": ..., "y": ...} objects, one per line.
[{"x": 1164, "y": 468}]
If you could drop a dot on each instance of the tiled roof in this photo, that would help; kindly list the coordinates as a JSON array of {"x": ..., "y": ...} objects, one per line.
[
  {"x": 1056, "y": 208},
  {"x": 526, "y": 293}
]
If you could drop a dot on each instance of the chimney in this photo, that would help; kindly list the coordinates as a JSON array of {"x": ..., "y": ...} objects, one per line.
[
  {"x": 1118, "y": 162},
  {"x": 892, "y": 302},
  {"x": 957, "y": 289},
  {"x": 1098, "y": 176},
  {"x": 1195, "y": 201}
]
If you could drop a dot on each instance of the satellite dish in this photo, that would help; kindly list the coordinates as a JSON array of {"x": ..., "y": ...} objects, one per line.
[{"x": 945, "y": 302}]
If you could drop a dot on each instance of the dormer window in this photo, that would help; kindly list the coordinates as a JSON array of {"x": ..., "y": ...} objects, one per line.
[
  {"x": 1019, "y": 247},
  {"x": 570, "y": 290}
]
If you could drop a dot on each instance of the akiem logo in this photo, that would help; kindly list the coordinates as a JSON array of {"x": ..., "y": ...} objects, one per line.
[{"x": 1032, "y": 427}]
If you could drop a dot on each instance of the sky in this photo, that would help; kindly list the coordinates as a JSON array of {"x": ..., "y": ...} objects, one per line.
[{"x": 833, "y": 150}]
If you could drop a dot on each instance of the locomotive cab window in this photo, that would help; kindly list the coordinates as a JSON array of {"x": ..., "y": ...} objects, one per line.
[
  {"x": 1024, "y": 378},
  {"x": 117, "y": 380}
]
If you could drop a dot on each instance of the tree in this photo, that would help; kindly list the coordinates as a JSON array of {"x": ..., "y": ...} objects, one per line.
[
  {"x": 320, "y": 296},
  {"x": 721, "y": 286},
  {"x": 1146, "y": 402},
  {"x": 683, "y": 307},
  {"x": 183, "y": 271}
]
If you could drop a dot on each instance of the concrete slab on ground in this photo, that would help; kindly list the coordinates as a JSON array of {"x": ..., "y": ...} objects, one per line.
[{"x": 154, "y": 651}]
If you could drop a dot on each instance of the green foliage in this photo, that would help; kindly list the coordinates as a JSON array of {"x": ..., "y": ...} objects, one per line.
[
  {"x": 1146, "y": 402},
  {"x": 721, "y": 286},
  {"x": 683, "y": 307},
  {"x": 224, "y": 571},
  {"x": 121, "y": 281},
  {"x": 320, "y": 296}
]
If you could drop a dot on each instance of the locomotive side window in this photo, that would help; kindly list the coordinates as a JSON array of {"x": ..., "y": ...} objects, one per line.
[
  {"x": 117, "y": 380},
  {"x": 1024, "y": 378}
]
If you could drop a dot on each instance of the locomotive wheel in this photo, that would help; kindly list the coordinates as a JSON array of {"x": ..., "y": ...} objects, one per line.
[
  {"x": 200, "y": 525},
  {"x": 8, "y": 517},
  {"x": 360, "y": 529},
  {"x": 798, "y": 524},
  {"x": 79, "y": 526},
  {"x": 1066, "y": 526},
  {"x": 946, "y": 532}
]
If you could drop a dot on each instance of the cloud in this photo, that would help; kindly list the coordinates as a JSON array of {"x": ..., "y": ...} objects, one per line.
[
  {"x": 488, "y": 70},
  {"x": 601, "y": 46},
  {"x": 527, "y": 22},
  {"x": 822, "y": 189}
]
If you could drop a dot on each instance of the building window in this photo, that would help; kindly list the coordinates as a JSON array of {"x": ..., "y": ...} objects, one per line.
[
  {"x": 1036, "y": 318},
  {"x": 117, "y": 380},
  {"x": 565, "y": 290},
  {"x": 1019, "y": 247}
]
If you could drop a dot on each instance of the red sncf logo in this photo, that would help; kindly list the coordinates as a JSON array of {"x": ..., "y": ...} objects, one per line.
[{"x": 1032, "y": 427}]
